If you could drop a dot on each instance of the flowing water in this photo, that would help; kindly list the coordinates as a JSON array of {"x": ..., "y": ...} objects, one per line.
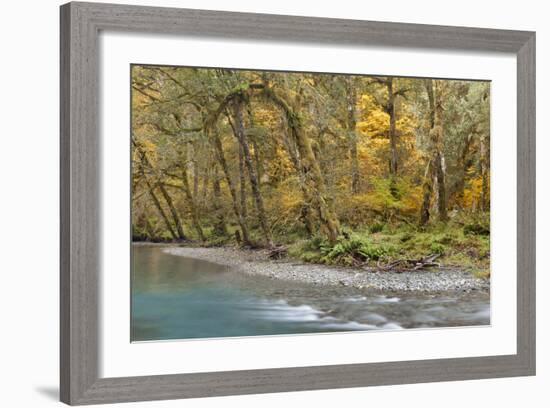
[{"x": 175, "y": 297}]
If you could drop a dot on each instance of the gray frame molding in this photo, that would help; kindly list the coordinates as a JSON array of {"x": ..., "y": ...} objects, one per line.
[{"x": 80, "y": 234}]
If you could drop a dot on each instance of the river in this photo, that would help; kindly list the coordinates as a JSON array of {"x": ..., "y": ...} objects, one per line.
[{"x": 175, "y": 297}]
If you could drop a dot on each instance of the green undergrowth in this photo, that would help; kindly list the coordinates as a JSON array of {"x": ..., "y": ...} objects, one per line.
[
  {"x": 347, "y": 250},
  {"x": 461, "y": 242},
  {"x": 462, "y": 245}
]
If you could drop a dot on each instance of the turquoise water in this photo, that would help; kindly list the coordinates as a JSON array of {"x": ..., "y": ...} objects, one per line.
[{"x": 176, "y": 297}]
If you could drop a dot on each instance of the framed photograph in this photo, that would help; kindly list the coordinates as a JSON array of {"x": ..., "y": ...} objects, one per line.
[{"x": 261, "y": 203}]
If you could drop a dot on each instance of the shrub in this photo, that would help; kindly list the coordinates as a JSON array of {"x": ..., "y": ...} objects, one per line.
[
  {"x": 478, "y": 226},
  {"x": 437, "y": 248},
  {"x": 353, "y": 250},
  {"x": 315, "y": 243},
  {"x": 376, "y": 227}
]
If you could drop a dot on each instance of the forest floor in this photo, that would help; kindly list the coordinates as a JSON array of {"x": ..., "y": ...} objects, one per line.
[
  {"x": 463, "y": 245},
  {"x": 257, "y": 262}
]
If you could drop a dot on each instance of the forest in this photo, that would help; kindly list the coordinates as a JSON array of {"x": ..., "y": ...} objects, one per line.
[{"x": 380, "y": 171}]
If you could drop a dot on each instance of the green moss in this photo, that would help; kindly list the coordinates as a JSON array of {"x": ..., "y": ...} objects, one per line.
[{"x": 436, "y": 248}]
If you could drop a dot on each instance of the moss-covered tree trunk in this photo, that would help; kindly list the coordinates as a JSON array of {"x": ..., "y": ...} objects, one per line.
[
  {"x": 316, "y": 187},
  {"x": 435, "y": 167},
  {"x": 427, "y": 184},
  {"x": 427, "y": 192},
  {"x": 313, "y": 179},
  {"x": 305, "y": 212},
  {"x": 486, "y": 160},
  {"x": 256, "y": 152},
  {"x": 254, "y": 182},
  {"x": 178, "y": 234},
  {"x": 220, "y": 227},
  {"x": 351, "y": 101},
  {"x": 191, "y": 203},
  {"x": 439, "y": 159},
  {"x": 390, "y": 109},
  {"x": 484, "y": 169},
  {"x": 441, "y": 187},
  {"x": 218, "y": 148},
  {"x": 392, "y": 135},
  {"x": 160, "y": 210},
  {"x": 242, "y": 183},
  {"x": 173, "y": 211},
  {"x": 463, "y": 164}
]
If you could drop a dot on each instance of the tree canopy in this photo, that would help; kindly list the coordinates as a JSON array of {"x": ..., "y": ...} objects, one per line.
[{"x": 258, "y": 158}]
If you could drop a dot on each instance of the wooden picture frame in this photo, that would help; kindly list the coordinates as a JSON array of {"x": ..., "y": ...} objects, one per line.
[{"x": 80, "y": 191}]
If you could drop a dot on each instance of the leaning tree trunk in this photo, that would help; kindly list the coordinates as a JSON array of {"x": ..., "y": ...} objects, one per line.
[
  {"x": 145, "y": 161},
  {"x": 149, "y": 228},
  {"x": 173, "y": 211},
  {"x": 216, "y": 141},
  {"x": 310, "y": 167},
  {"x": 191, "y": 202},
  {"x": 220, "y": 227},
  {"x": 192, "y": 159},
  {"x": 305, "y": 211},
  {"x": 257, "y": 160},
  {"x": 313, "y": 179},
  {"x": 160, "y": 210},
  {"x": 256, "y": 148},
  {"x": 201, "y": 199},
  {"x": 254, "y": 183},
  {"x": 242, "y": 182}
]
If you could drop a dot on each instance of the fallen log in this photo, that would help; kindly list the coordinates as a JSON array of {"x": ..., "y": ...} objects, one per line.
[
  {"x": 277, "y": 252},
  {"x": 405, "y": 265}
]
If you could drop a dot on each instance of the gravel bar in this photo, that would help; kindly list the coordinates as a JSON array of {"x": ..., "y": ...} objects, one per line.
[{"x": 256, "y": 262}]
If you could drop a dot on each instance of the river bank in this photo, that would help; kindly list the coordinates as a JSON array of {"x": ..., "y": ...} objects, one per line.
[{"x": 256, "y": 262}]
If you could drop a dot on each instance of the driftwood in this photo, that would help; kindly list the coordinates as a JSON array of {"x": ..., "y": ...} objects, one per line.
[
  {"x": 277, "y": 252},
  {"x": 405, "y": 265}
]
